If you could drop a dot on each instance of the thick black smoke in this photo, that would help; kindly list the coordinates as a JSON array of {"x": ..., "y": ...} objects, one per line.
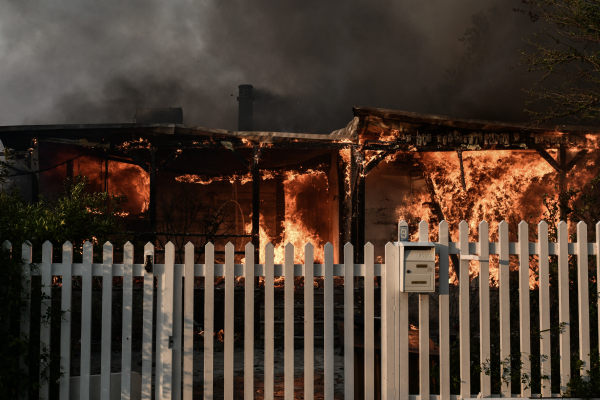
[{"x": 74, "y": 61}]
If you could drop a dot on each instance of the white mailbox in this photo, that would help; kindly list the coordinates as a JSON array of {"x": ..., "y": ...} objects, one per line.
[{"x": 417, "y": 267}]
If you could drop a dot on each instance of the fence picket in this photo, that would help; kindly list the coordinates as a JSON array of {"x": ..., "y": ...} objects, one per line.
[
  {"x": 328, "y": 322},
  {"x": 177, "y": 331},
  {"x": 504, "y": 300},
  {"x": 269, "y": 320},
  {"x": 46, "y": 272},
  {"x": 544, "y": 285},
  {"x": 387, "y": 326},
  {"x": 369, "y": 323},
  {"x": 249, "y": 323},
  {"x": 464, "y": 317},
  {"x": 444, "y": 310},
  {"x": 86, "y": 321},
  {"x": 424, "y": 327},
  {"x": 188, "y": 324},
  {"x": 563, "y": 305},
  {"x": 484, "y": 305},
  {"x": 26, "y": 255},
  {"x": 597, "y": 251},
  {"x": 147, "y": 325},
  {"x": 127, "y": 321},
  {"x": 583, "y": 296},
  {"x": 348, "y": 321},
  {"x": 309, "y": 323},
  {"x": 167, "y": 322},
  {"x": 209, "y": 317},
  {"x": 401, "y": 345},
  {"x": 229, "y": 318},
  {"x": 288, "y": 323},
  {"x": 107, "y": 284},
  {"x": 524, "y": 322},
  {"x": 65, "y": 325}
]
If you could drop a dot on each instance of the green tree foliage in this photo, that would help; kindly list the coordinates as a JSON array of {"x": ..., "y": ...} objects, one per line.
[
  {"x": 77, "y": 215},
  {"x": 566, "y": 53}
]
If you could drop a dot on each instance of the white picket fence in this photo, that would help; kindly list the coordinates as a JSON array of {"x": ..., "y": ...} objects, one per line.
[{"x": 174, "y": 327}]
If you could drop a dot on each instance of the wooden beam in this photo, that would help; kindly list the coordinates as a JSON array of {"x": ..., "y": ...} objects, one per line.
[
  {"x": 546, "y": 156},
  {"x": 375, "y": 161},
  {"x": 575, "y": 160}
]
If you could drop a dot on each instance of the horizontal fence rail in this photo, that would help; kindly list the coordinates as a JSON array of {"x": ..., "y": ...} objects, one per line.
[{"x": 174, "y": 324}]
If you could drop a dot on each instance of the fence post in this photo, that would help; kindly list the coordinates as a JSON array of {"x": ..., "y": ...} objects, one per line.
[
  {"x": 544, "y": 285},
  {"x": 369, "y": 322},
  {"x": 484, "y": 305},
  {"x": 328, "y": 322},
  {"x": 26, "y": 255},
  {"x": 349, "y": 321},
  {"x": 229, "y": 318},
  {"x": 249, "y": 323},
  {"x": 583, "y": 296},
  {"x": 524, "y": 322},
  {"x": 127, "y": 321},
  {"x": 444, "y": 310},
  {"x": 424, "y": 327},
  {"x": 86, "y": 320},
  {"x": 147, "y": 325},
  {"x": 309, "y": 322},
  {"x": 188, "y": 326},
  {"x": 209, "y": 317},
  {"x": 563, "y": 305},
  {"x": 167, "y": 321},
  {"x": 504, "y": 299},
  {"x": 464, "y": 317},
  {"x": 65, "y": 326},
  {"x": 107, "y": 283}
]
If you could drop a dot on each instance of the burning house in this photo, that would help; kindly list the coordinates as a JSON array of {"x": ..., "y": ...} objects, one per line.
[{"x": 352, "y": 185}]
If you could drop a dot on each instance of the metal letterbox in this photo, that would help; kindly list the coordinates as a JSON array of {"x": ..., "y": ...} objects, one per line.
[{"x": 417, "y": 267}]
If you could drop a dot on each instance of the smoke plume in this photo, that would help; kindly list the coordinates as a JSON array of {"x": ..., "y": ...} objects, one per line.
[{"x": 84, "y": 61}]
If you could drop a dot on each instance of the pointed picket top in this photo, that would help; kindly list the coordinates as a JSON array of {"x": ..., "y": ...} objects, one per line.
[
  {"x": 168, "y": 245},
  {"x": 463, "y": 224},
  {"x": 209, "y": 246},
  {"x": 348, "y": 253},
  {"x": 228, "y": 246},
  {"x": 328, "y": 248},
  {"x": 249, "y": 246},
  {"x": 423, "y": 231},
  {"x": 289, "y": 253},
  {"x": 309, "y": 250},
  {"x": 189, "y": 246},
  {"x": 189, "y": 243},
  {"x": 26, "y": 248},
  {"x": 524, "y": 229},
  {"x": 542, "y": 225},
  {"x": 502, "y": 224},
  {"x": 128, "y": 253},
  {"x": 483, "y": 225},
  {"x": 6, "y": 245},
  {"x": 403, "y": 223},
  {"x": 581, "y": 229},
  {"x": 269, "y": 253},
  {"x": 88, "y": 249},
  {"x": 369, "y": 246},
  {"x": 107, "y": 246},
  {"x": 443, "y": 224},
  {"x": 67, "y": 255}
]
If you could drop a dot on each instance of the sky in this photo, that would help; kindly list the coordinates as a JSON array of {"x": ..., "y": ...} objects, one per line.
[{"x": 310, "y": 61}]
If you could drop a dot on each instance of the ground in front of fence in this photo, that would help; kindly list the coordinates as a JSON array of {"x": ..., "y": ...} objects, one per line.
[{"x": 259, "y": 369}]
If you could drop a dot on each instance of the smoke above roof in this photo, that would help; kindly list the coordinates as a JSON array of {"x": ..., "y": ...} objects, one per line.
[{"x": 86, "y": 61}]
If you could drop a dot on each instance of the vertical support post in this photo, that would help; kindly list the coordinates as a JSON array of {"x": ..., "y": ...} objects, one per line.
[
  {"x": 153, "y": 182},
  {"x": 562, "y": 179},
  {"x": 255, "y": 204},
  {"x": 35, "y": 166}
]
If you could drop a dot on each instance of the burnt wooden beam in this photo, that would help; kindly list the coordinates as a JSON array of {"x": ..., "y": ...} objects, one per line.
[
  {"x": 546, "y": 156},
  {"x": 137, "y": 160},
  {"x": 462, "y": 170},
  {"x": 238, "y": 156},
  {"x": 375, "y": 162},
  {"x": 256, "y": 203},
  {"x": 153, "y": 182},
  {"x": 575, "y": 160},
  {"x": 170, "y": 158}
]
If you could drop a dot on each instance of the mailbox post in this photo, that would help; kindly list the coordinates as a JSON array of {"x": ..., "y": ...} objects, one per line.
[{"x": 417, "y": 267}]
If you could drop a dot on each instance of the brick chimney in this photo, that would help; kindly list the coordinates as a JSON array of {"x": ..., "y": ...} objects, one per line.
[{"x": 245, "y": 109}]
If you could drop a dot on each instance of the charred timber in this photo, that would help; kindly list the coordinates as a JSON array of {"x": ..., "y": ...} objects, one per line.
[{"x": 256, "y": 203}]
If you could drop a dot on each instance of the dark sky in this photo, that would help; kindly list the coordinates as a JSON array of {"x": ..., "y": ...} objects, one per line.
[{"x": 89, "y": 61}]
